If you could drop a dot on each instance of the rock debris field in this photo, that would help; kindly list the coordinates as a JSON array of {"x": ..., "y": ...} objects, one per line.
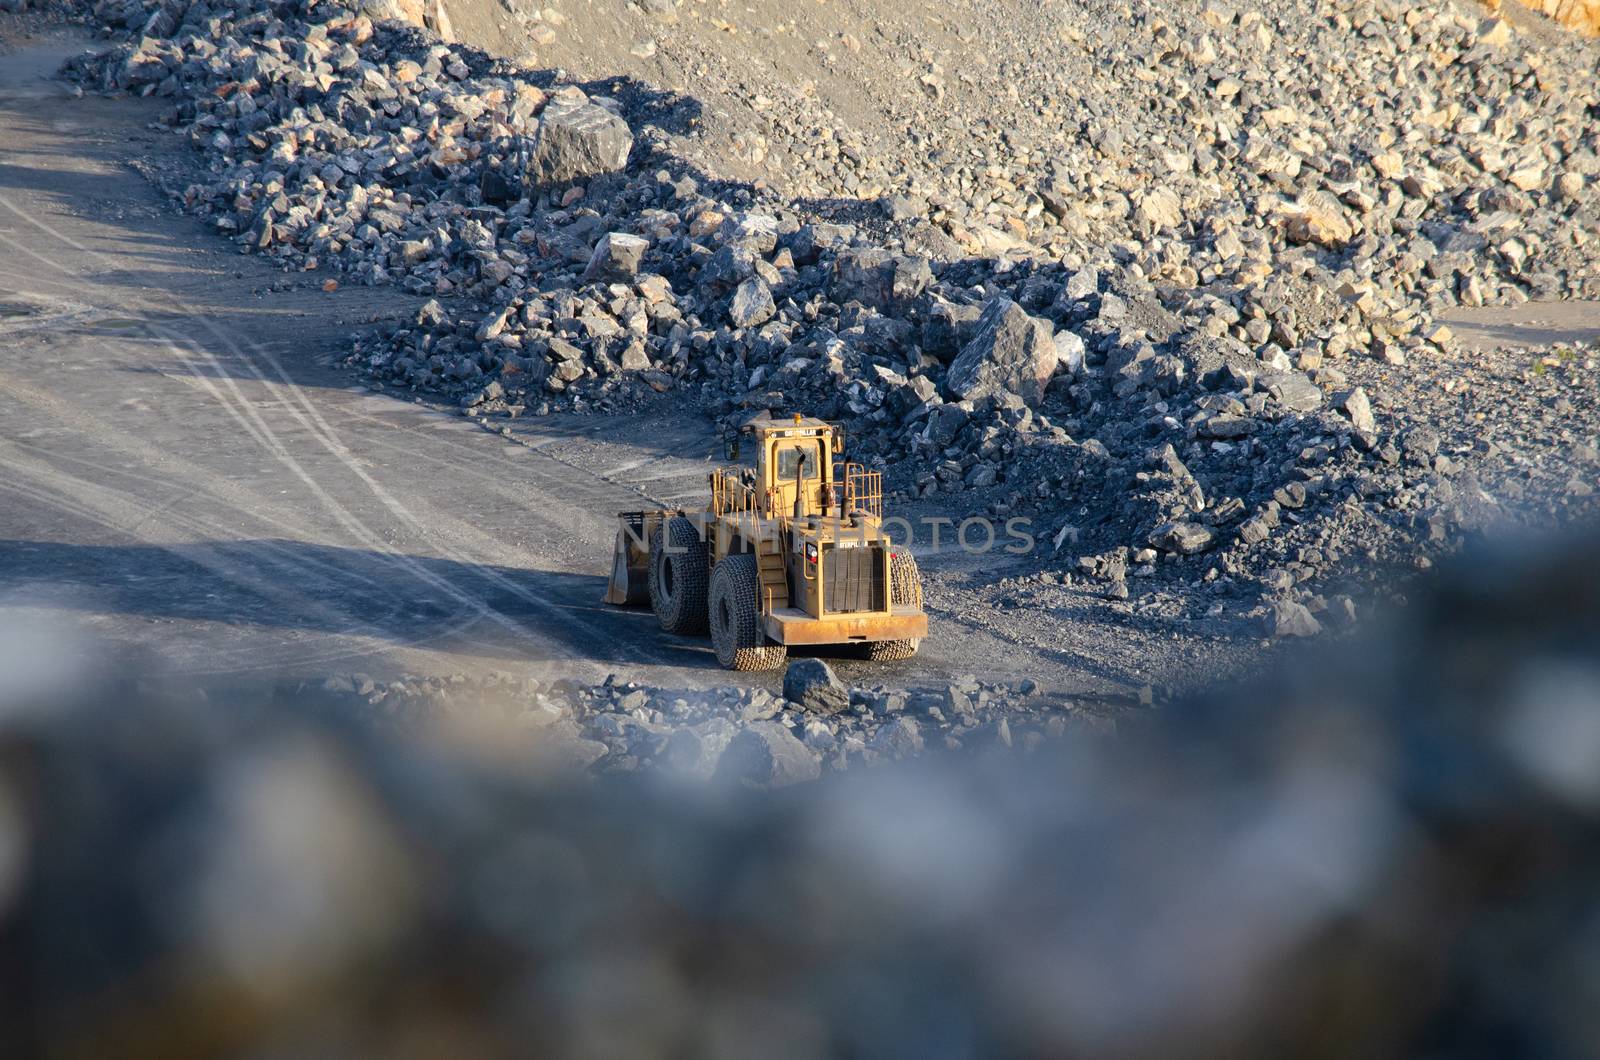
[
  {"x": 749, "y": 737},
  {"x": 1172, "y": 293}
]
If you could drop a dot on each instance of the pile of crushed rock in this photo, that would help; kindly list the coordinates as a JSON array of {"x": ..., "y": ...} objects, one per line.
[
  {"x": 1205, "y": 398},
  {"x": 744, "y": 736}
]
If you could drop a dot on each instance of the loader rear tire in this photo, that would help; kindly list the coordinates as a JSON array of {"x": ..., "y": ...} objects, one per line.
[
  {"x": 905, "y": 580},
  {"x": 905, "y": 589},
  {"x": 735, "y": 620},
  {"x": 678, "y": 576}
]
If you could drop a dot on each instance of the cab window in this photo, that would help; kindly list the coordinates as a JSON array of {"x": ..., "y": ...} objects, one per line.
[{"x": 789, "y": 462}]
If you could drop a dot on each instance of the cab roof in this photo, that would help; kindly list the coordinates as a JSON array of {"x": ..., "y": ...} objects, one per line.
[{"x": 769, "y": 424}]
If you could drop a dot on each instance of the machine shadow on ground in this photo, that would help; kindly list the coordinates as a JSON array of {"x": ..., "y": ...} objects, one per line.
[{"x": 410, "y": 600}]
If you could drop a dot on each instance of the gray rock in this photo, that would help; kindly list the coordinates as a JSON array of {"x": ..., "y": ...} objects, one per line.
[
  {"x": 752, "y": 304},
  {"x": 492, "y": 325},
  {"x": 1290, "y": 619},
  {"x": 814, "y": 240},
  {"x": 616, "y": 258},
  {"x": 757, "y": 231},
  {"x": 728, "y": 268},
  {"x": 949, "y": 326},
  {"x": 1291, "y": 495},
  {"x": 492, "y": 391},
  {"x": 1183, "y": 538},
  {"x": 810, "y": 683},
  {"x": 431, "y": 314},
  {"x": 1358, "y": 410},
  {"x": 901, "y": 208},
  {"x": 576, "y": 141},
  {"x": 766, "y": 754},
  {"x": 1420, "y": 444},
  {"x": 1081, "y": 284},
  {"x": 635, "y": 358},
  {"x": 899, "y": 738},
  {"x": 944, "y": 423},
  {"x": 1292, "y": 390},
  {"x": 565, "y": 351},
  {"x": 878, "y": 278},
  {"x": 1070, "y": 353},
  {"x": 493, "y": 187},
  {"x": 1012, "y": 353},
  {"x": 1255, "y": 530},
  {"x": 1227, "y": 427},
  {"x": 1160, "y": 207}
]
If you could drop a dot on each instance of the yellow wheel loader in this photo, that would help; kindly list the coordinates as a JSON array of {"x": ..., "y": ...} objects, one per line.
[{"x": 791, "y": 550}]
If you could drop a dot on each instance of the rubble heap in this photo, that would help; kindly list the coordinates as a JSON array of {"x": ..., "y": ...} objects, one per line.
[{"x": 1228, "y": 370}]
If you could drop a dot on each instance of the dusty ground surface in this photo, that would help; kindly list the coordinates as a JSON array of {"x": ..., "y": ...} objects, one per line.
[
  {"x": 1535, "y": 325},
  {"x": 189, "y": 473}
]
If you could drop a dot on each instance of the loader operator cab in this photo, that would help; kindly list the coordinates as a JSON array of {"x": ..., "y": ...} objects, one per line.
[
  {"x": 796, "y": 473},
  {"x": 793, "y": 461}
]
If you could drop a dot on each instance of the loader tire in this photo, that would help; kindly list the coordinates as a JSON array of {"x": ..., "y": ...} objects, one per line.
[
  {"x": 678, "y": 576},
  {"x": 735, "y": 620},
  {"x": 905, "y": 589},
  {"x": 905, "y": 580}
]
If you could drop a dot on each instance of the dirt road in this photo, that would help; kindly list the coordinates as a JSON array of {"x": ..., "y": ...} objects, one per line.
[{"x": 185, "y": 470}]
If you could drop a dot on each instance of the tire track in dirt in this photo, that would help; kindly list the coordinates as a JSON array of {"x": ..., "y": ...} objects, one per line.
[{"x": 300, "y": 408}]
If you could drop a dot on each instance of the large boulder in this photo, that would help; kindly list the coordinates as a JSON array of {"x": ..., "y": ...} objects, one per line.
[
  {"x": 810, "y": 683},
  {"x": 1286, "y": 618},
  {"x": 1011, "y": 353},
  {"x": 1159, "y": 208},
  {"x": 752, "y": 304},
  {"x": 1183, "y": 538},
  {"x": 947, "y": 327},
  {"x": 727, "y": 268},
  {"x": 899, "y": 738},
  {"x": 1316, "y": 218},
  {"x": 945, "y": 423},
  {"x": 875, "y": 277},
  {"x": 575, "y": 141}
]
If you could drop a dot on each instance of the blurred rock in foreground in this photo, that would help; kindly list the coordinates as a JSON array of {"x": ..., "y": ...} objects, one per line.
[{"x": 1392, "y": 851}]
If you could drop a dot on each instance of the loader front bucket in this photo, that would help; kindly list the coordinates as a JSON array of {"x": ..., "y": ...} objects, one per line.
[{"x": 630, "y": 564}]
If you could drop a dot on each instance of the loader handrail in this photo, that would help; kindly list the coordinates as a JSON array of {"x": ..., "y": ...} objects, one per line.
[
  {"x": 730, "y": 495},
  {"x": 855, "y": 489}
]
